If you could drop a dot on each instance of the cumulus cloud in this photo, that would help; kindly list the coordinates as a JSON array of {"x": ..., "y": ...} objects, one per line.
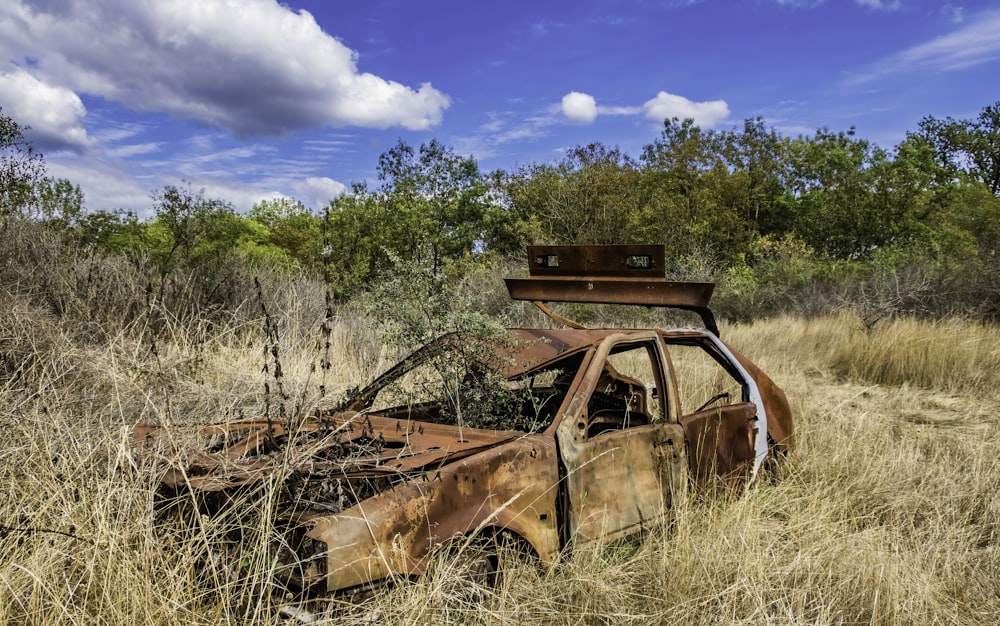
[
  {"x": 316, "y": 192},
  {"x": 582, "y": 108},
  {"x": 105, "y": 185},
  {"x": 53, "y": 113},
  {"x": 313, "y": 192},
  {"x": 250, "y": 66},
  {"x": 579, "y": 107},
  {"x": 666, "y": 105}
]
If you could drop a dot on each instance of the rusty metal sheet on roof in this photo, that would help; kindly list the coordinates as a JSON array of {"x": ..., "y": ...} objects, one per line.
[
  {"x": 613, "y": 291},
  {"x": 608, "y": 274},
  {"x": 605, "y": 274},
  {"x": 631, "y": 261}
]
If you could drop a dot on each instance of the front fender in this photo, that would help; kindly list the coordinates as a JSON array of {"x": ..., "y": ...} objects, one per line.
[{"x": 512, "y": 486}]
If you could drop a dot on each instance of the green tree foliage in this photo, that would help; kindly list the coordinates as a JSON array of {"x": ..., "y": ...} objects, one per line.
[
  {"x": 757, "y": 160},
  {"x": 433, "y": 208},
  {"x": 591, "y": 196},
  {"x": 695, "y": 207},
  {"x": 113, "y": 232},
  {"x": 435, "y": 202},
  {"x": 293, "y": 237},
  {"x": 967, "y": 147},
  {"x": 507, "y": 226},
  {"x": 60, "y": 202},
  {"x": 203, "y": 252},
  {"x": 190, "y": 230},
  {"x": 21, "y": 168},
  {"x": 776, "y": 220},
  {"x": 842, "y": 194},
  {"x": 358, "y": 240}
]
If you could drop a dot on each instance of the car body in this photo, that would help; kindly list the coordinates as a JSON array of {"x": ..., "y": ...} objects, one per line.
[{"x": 552, "y": 436}]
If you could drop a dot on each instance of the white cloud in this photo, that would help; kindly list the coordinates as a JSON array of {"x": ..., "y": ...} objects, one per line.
[
  {"x": 241, "y": 196},
  {"x": 316, "y": 192},
  {"x": 666, "y": 105},
  {"x": 329, "y": 146},
  {"x": 249, "y": 66},
  {"x": 110, "y": 181},
  {"x": 972, "y": 44},
  {"x": 579, "y": 107},
  {"x": 501, "y": 130},
  {"x": 544, "y": 27},
  {"x": 53, "y": 113},
  {"x": 619, "y": 110},
  {"x": 801, "y": 4},
  {"x": 582, "y": 108},
  {"x": 106, "y": 186},
  {"x": 880, "y": 5},
  {"x": 955, "y": 14},
  {"x": 131, "y": 150}
]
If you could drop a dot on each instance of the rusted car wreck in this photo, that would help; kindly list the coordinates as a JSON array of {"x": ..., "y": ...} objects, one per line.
[{"x": 563, "y": 435}]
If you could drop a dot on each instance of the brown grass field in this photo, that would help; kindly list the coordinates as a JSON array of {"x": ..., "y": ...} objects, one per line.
[{"x": 887, "y": 511}]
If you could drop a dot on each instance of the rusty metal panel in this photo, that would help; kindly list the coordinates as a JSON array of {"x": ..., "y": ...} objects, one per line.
[
  {"x": 608, "y": 274},
  {"x": 642, "y": 292},
  {"x": 513, "y": 487},
  {"x": 623, "y": 481},
  {"x": 779, "y": 415},
  {"x": 343, "y": 445},
  {"x": 721, "y": 443},
  {"x": 633, "y": 291},
  {"x": 536, "y": 348},
  {"x": 633, "y": 261}
]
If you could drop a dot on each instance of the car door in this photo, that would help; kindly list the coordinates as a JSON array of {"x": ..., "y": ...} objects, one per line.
[
  {"x": 720, "y": 411},
  {"x": 622, "y": 448}
]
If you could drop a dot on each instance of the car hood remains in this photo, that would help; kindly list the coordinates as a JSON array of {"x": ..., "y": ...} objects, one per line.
[{"x": 224, "y": 456}]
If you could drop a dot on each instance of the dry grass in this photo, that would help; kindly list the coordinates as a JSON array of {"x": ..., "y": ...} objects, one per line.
[{"x": 887, "y": 512}]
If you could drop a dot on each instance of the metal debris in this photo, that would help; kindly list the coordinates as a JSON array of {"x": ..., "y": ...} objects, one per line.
[{"x": 567, "y": 435}]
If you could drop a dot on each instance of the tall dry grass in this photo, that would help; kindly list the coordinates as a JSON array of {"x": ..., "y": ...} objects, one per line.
[
  {"x": 887, "y": 511},
  {"x": 949, "y": 355}
]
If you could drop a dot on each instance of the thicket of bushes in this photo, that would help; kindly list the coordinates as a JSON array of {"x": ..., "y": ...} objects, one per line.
[{"x": 800, "y": 225}]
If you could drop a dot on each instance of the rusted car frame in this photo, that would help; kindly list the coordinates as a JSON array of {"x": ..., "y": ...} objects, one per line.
[{"x": 566, "y": 435}]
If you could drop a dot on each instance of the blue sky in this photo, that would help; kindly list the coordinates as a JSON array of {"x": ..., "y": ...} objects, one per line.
[{"x": 252, "y": 99}]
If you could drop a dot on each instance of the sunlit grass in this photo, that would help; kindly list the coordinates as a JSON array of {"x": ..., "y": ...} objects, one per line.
[{"x": 887, "y": 511}]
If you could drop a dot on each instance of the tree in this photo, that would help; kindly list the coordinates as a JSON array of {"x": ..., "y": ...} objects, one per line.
[
  {"x": 115, "y": 232},
  {"x": 508, "y": 227},
  {"x": 591, "y": 196},
  {"x": 357, "y": 242},
  {"x": 292, "y": 231},
  {"x": 833, "y": 192},
  {"x": 967, "y": 147},
  {"x": 197, "y": 233},
  {"x": 60, "y": 202},
  {"x": 21, "y": 167},
  {"x": 436, "y": 203},
  {"x": 693, "y": 210},
  {"x": 758, "y": 163}
]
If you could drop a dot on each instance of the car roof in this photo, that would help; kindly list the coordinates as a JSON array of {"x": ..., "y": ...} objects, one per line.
[{"x": 537, "y": 347}]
